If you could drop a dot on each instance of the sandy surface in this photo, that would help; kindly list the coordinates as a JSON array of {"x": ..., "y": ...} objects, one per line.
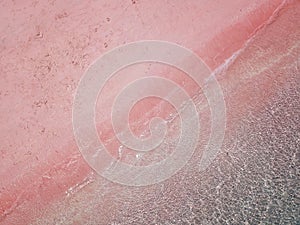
[{"x": 253, "y": 47}]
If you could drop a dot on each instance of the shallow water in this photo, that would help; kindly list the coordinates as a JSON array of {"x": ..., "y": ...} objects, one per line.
[{"x": 253, "y": 54}]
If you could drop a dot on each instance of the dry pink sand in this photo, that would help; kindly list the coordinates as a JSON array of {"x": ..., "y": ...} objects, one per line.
[{"x": 47, "y": 45}]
